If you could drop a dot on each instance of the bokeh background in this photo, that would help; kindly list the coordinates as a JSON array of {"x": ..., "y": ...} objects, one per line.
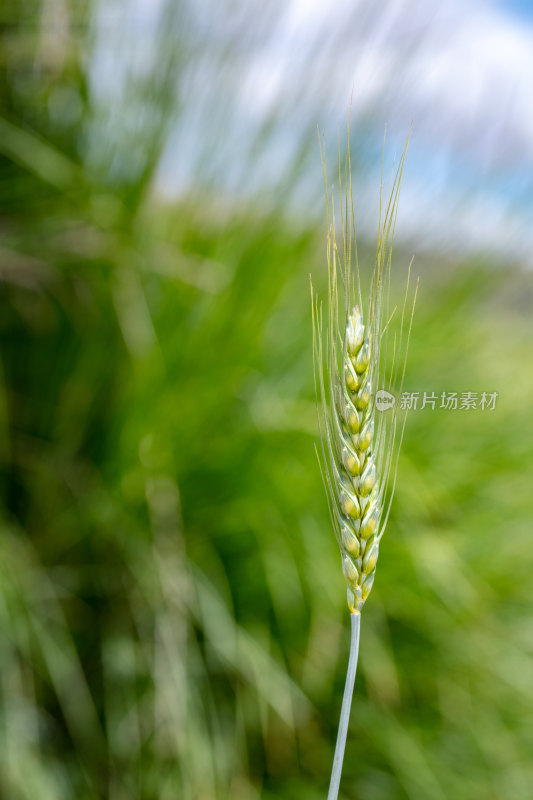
[{"x": 172, "y": 611}]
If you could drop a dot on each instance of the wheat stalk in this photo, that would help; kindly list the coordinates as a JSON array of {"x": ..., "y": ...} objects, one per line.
[{"x": 359, "y": 444}]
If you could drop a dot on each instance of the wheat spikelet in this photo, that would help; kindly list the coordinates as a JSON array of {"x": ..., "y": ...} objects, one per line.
[{"x": 359, "y": 443}]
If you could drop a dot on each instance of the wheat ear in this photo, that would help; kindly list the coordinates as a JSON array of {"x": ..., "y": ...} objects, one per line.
[{"x": 359, "y": 445}]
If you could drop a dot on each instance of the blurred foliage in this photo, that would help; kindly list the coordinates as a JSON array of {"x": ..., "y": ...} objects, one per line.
[{"x": 172, "y": 609}]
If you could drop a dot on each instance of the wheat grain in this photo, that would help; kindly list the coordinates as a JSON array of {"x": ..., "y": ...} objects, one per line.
[{"x": 359, "y": 444}]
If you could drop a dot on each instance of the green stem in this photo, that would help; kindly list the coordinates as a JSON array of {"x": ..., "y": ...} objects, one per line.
[{"x": 338, "y": 758}]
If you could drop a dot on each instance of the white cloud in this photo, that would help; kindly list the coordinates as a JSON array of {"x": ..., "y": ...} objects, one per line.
[{"x": 461, "y": 72}]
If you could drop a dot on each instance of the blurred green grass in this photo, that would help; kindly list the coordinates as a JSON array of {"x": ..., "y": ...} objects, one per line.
[{"x": 172, "y": 609}]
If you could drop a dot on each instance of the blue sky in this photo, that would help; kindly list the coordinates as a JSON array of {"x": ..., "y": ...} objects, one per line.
[
  {"x": 261, "y": 77},
  {"x": 522, "y": 8}
]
